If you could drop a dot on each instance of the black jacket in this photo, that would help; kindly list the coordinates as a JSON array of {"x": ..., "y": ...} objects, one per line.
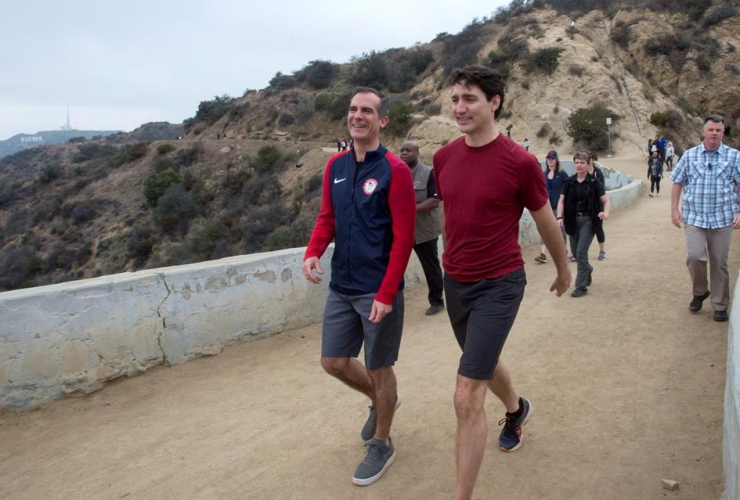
[{"x": 569, "y": 202}]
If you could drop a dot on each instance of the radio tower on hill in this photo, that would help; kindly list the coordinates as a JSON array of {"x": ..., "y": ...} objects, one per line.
[{"x": 67, "y": 126}]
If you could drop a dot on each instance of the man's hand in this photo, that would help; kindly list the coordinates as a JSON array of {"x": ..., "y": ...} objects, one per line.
[
  {"x": 677, "y": 219},
  {"x": 309, "y": 265},
  {"x": 379, "y": 311},
  {"x": 603, "y": 215},
  {"x": 561, "y": 283},
  {"x": 736, "y": 222}
]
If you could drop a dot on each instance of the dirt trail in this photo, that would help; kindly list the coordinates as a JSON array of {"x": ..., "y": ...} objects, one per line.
[{"x": 626, "y": 384}]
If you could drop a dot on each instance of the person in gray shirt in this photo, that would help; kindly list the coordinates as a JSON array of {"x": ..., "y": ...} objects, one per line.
[{"x": 428, "y": 226}]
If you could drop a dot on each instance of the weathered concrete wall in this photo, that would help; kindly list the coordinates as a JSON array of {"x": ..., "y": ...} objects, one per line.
[
  {"x": 731, "y": 432},
  {"x": 74, "y": 337}
]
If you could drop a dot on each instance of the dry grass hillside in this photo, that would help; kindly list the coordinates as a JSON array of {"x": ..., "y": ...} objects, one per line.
[{"x": 246, "y": 176}]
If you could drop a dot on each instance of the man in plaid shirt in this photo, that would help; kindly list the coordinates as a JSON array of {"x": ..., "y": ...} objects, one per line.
[{"x": 709, "y": 175}]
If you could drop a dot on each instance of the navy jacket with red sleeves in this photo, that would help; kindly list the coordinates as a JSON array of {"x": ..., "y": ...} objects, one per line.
[{"x": 369, "y": 210}]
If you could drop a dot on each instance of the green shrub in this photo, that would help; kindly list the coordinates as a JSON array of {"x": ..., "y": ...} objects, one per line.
[
  {"x": 92, "y": 150},
  {"x": 285, "y": 119},
  {"x": 49, "y": 173},
  {"x": 157, "y": 184},
  {"x": 83, "y": 212},
  {"x": 18, "y": 267},
  {"x": 161, "y": 163},
  {"x": 371, "y": 71},
  {"x": 588, "y": 126},
  {"x": 399, "y": 119},
  {"x": 462, "y": 49},
  {"x": 318, "y": 74},
  {"x": 268, "y": 158},
  {"x": 174, "y": 209},
  {"x": 322, "y": 102},
  {"x": 283, "y": 82},
  {"x": 544, "y": 60},
  {"x": 164, "y": 148},
  {"x": 420, "y": 59},
  {"x": 544, "y": 131},
  {"x": 212, "y": 111},
  {"x": 130, "y": 153},
  {"x": 187, "y": 156}
]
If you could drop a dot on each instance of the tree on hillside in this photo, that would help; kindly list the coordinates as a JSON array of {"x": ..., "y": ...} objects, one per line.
[{"x": 587, "y": 126}]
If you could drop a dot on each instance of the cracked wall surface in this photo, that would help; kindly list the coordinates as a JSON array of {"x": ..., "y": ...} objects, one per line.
[{"x": 74, "y": 337}]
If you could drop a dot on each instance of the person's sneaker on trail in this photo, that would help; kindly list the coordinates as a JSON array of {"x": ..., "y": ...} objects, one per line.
[
  {"x": 541, "y": 258},
  {"x": 510, "y": 438},
  {"x": 378, "y": 458}
]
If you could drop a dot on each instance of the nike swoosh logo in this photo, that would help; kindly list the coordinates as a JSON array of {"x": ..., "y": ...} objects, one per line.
[{"x": 337, "y": 181}]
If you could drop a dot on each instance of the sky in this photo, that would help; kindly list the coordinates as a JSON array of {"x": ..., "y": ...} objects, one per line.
[{"x": 120, "y": 64}]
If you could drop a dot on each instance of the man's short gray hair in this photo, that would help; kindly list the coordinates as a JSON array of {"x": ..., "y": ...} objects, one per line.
[
  {"x": 715, "y": 119},
  {"x": 384, "y": 106}
]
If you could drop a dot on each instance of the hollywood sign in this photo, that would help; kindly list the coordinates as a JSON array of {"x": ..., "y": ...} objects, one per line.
[{"x": 35, "y": 138}]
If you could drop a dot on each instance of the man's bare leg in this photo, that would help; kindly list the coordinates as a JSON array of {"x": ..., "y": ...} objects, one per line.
[
  {"x": 351, "y": 372},
  {"x": 472, "y": 431},
  {"x": 502, "y": 387},
  {"x": 384, "y": 382}
]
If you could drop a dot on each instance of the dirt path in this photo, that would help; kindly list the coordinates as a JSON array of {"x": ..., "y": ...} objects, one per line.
[{"x": 627, "y": 387}]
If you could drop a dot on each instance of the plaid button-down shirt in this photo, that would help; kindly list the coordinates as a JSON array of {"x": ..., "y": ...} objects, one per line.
[{"x": 710, "y": 180}]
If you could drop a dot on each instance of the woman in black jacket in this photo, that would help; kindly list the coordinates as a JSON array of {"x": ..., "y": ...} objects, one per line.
[{"x": 583, "y": 205}]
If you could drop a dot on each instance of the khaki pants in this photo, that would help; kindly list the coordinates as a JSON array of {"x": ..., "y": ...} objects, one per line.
[{"x": 713, "y": 246}]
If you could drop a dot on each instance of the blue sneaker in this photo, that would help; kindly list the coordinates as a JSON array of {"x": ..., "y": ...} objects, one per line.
[{"x": 510, "y": 438}]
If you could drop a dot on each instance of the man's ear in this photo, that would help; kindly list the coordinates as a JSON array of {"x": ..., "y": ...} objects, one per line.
[
  {"x": 383, "y": 122},
  {"x": 495, "y": 103}
]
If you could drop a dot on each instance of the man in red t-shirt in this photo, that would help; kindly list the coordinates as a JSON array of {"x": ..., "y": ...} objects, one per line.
[{"x": 485, "y": 180}]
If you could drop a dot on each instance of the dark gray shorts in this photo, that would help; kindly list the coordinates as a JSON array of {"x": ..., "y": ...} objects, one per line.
[
  {"x": 482, "y": 314},
  {"x": 346, "y": 327}
]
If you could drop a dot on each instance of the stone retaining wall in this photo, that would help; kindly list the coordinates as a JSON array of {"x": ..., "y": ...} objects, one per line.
[
  {"x": 73, "y": 337},
  {"x": 731, "y": 428}
]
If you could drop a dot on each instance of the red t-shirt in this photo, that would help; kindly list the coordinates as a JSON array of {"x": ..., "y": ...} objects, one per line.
[{"x": 485, "y": 191}]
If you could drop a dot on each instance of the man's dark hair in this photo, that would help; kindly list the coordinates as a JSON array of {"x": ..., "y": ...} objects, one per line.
[
  {"x": 715, "y": 119},
  {"x": 384, "y": 109},
  {"x": 488, "y": 80}
]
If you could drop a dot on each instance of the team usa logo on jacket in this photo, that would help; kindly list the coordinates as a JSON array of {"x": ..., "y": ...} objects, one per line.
[{"x": 369, "y": 186}]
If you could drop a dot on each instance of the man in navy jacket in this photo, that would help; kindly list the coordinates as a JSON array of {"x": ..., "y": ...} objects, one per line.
[{"x": 368, "y": 207}]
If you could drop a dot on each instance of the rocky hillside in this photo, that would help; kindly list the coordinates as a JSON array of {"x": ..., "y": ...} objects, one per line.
[{"x": 246, "y": 175}]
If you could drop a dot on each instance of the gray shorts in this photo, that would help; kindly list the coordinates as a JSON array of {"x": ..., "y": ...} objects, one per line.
[{"x": 346, "y": 327}]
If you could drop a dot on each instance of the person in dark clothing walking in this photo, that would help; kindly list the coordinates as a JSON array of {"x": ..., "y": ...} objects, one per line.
[
  {"x": 583, "y": 206},
  {"x": 596, "y": 173},
  {"x": 555, "y": 176},
  {"x": 655, "y": 173},
  {"x": 428, "y": 227}
]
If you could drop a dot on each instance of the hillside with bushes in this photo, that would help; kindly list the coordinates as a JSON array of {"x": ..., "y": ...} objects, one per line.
[{"x": 245, "y": 176}]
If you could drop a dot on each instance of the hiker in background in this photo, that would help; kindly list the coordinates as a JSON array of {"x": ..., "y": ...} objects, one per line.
[
  {"x": 427, "y": 228},
  {"x": 339, "y": 145},
  {"x": 670, "y": 151},
  {"x": 710, "y": 175},
  {"x": 655, "y": 173},
  {"x": 555, "y": 176},
  {"x": 662, "y": 144},
  {"x": 596, "y": 172},
  {"x": 583, "y": 206},
  {"x": 526, "y": 144}
]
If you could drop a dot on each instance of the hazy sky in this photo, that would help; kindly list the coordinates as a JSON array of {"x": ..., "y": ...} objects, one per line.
[{"x": 120, "y": 64}]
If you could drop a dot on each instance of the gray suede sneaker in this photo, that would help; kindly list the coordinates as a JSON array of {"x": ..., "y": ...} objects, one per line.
[
  {"x": 377, "y": 460},
  {"x": 368, "y": 430}
]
